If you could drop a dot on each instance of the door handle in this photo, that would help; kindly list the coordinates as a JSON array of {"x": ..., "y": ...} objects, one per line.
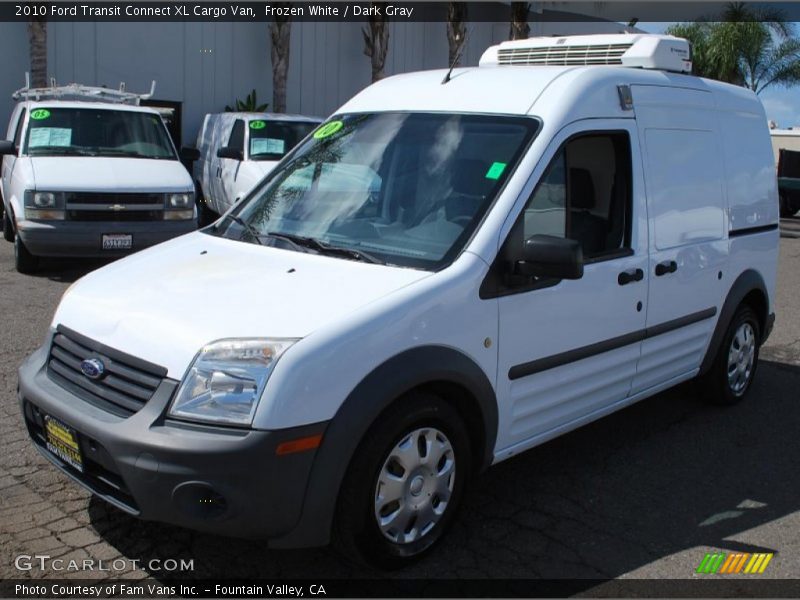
[
  {"x": 663, "y": 268},
  {"x": 627, "y": 277}
]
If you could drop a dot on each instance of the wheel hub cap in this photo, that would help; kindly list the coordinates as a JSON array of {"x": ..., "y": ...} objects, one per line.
[
  {"x": 414, "y": 485},
  {"x": 741, "y": 357}
]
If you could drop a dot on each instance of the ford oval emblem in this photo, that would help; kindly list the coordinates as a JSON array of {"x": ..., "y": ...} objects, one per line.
[{"x": 93, "y": 368}]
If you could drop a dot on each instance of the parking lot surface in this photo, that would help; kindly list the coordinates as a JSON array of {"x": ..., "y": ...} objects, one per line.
[{"x": 643, "y": 493}]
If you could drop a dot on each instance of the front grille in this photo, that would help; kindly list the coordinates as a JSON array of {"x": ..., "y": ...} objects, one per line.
[
  {"x": 115, "y": 216},
  {"x": 128, "y": 382},
  {"x": 606, "y": 54},
  {"x": 111, "y": 198},
  {"x": 114, "y": 207}
]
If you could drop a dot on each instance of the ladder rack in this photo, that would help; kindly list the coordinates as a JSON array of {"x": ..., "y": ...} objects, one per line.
[{"x": 82, "y": 93}]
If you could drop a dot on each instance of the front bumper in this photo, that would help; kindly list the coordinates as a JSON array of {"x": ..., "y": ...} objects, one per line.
[
  {"x": 84, "y": 238},
  {"x": 213, "y": 479}
]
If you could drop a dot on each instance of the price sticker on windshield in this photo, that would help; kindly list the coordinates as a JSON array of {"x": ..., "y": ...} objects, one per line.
[
  {"x": 328, "y": 130},
  {"x": 40, "y": 114},
  {"x": 495, "y": 170},
  {"x": 258, "y": 124}
]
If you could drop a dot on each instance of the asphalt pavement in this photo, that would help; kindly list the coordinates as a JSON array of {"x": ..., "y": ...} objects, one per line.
[{"x": 643, "y": 493}]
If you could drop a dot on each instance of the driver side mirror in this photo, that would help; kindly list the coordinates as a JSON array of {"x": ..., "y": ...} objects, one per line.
[
  {"x": 7, "y": 147},
  {"x": 551, "y": 257},
  {"x": 228, "y": 152},
  {"x": 189, "y": 154}
]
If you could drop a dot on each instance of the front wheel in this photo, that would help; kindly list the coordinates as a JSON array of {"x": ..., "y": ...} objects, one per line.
[
  {"x": 734, "y": 367},
  {"x": 404, "y": 484},
  {"x": 24, "y": 261}
]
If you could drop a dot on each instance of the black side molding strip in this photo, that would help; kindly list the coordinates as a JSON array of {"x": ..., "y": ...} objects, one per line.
[
  {"x": 557, "y": 360},
  {"x": 752, "y": 230}
]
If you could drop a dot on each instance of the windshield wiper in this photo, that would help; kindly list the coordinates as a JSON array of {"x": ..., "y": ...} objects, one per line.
[
  {"x": 255, "y": 233},
  {"x": 123, "y": 153},
  {"x": 325, "y": 248},
  {"x": 59, "y": 150}
]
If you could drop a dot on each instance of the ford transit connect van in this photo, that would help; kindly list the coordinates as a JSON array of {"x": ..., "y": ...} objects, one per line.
[
  {"x": 237, "y": 149},
  {"x": 449, "y": 271},
  {"x": 87, "y": 172}
]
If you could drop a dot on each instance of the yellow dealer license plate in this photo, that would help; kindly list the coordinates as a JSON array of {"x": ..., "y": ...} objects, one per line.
[{"x": 63, "y": 442}]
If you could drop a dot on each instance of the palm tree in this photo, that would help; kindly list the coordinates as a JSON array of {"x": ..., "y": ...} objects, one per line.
[
  {"x": 767, "y": 61},
  {"x": 280, "y": 33},
  {"x": 37, "y": 41},
  {"x": 376, "y": 39},
  {"x": 749, "y": 46},
  {"x": 456, "y": 30},
  {"x": 520, "y": 29}
]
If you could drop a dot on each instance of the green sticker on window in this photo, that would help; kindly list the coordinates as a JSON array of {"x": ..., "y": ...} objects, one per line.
[
  {"x": 495, "y": 170},
  {"x": 258, "y": 124},
  {"x": 328, "y": 129},
  {"x": 40, "y": 113}
]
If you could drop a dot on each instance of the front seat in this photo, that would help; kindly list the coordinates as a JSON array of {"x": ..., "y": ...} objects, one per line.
[{"x": 585, "y": 227}]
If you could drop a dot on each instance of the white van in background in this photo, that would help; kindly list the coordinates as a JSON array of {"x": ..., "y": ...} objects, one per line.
[
  {"x": 238, "y": 148},
  {"x": 453, "y": 269},
  {"x": 87, "y": 172}
]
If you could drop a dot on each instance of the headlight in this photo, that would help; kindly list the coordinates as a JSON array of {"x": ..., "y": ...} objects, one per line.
[
  {"x": 179, "y": 201},
  {"x": 226, "y": 379},
  {"x": 44, "y": 205},
  {"x": 179, "y": 207}
]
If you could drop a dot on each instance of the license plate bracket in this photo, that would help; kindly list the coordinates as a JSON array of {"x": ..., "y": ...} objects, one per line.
[
  {"x": 62, "y": 441},
  {"x": 117, "y": 241}
]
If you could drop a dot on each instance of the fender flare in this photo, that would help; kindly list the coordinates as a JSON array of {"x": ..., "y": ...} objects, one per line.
[
  {"x": 745, "y": 283},
  {"x": 387, "y": 382}
]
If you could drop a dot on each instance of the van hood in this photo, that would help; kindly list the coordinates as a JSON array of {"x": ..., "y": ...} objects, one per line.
[
  {"x": 165, "y": 303},
  {"x": 98, "y": 173}
]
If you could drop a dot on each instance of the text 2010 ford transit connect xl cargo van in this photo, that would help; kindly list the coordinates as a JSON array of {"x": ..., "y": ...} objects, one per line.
[{"x": 446, "y": 273}]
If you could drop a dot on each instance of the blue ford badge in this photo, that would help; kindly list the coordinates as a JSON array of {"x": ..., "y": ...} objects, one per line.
[{"x": 93, "y": 368}]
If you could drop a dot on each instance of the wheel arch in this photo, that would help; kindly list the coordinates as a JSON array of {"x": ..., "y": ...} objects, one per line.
[
  {"x": 438, "y": 369},
  {"x": 748, "y": 288}
]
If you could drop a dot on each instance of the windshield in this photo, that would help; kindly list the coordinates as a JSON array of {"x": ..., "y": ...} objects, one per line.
[
  {"x": 97, "y": 132},
  {"x": 271, "y": 140},
  {"x": 400, "y": 188}
]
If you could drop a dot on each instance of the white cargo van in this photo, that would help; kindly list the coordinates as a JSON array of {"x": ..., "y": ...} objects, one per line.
[
  {"x": 449, "y": 271},
  {"x": 87, "y": 172},
  {"x": 237, "y": 149}
]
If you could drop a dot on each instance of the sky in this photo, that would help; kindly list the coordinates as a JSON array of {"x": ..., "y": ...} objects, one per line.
[{"x": 782, "y": 105}]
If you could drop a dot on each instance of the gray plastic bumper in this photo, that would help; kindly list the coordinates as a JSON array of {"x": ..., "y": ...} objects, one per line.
[
  {"x": 212, "y": 479},
  {"x": 84, "y": 238}
]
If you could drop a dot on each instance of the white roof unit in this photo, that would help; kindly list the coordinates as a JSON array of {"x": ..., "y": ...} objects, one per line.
[{"x": 645, "y": 51}]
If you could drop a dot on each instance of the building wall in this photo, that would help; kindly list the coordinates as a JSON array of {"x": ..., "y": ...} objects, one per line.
[{"x": 208, "y": 65}]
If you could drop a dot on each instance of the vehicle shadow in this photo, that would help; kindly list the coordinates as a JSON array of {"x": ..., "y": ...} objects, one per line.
[
  {"x": 665, "y": 475},
  {"x": 68, "y": 270}
]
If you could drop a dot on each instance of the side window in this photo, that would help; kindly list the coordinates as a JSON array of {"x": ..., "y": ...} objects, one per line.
[
  {"x": 236, "y": 140},
  {"x": 18, "y": 133},
  {"x": 585, "y": 195}
]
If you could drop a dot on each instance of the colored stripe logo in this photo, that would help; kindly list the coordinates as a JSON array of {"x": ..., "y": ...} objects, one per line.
[{"x": 720, "y": 563}]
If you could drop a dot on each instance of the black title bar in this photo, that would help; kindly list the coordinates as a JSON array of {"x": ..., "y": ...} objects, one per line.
[{"x": 332, "y": 11}]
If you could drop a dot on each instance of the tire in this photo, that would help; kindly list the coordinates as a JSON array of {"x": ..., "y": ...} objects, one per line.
[
  {"x": 204, "y": 214},
  {"x": 24, "y": 261},
  {"x": 786, "y": 207},
  {"x": 8, "y": 227},
  {"x": 377, "y": 464},
  {"x": 731, "y": 375}
]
